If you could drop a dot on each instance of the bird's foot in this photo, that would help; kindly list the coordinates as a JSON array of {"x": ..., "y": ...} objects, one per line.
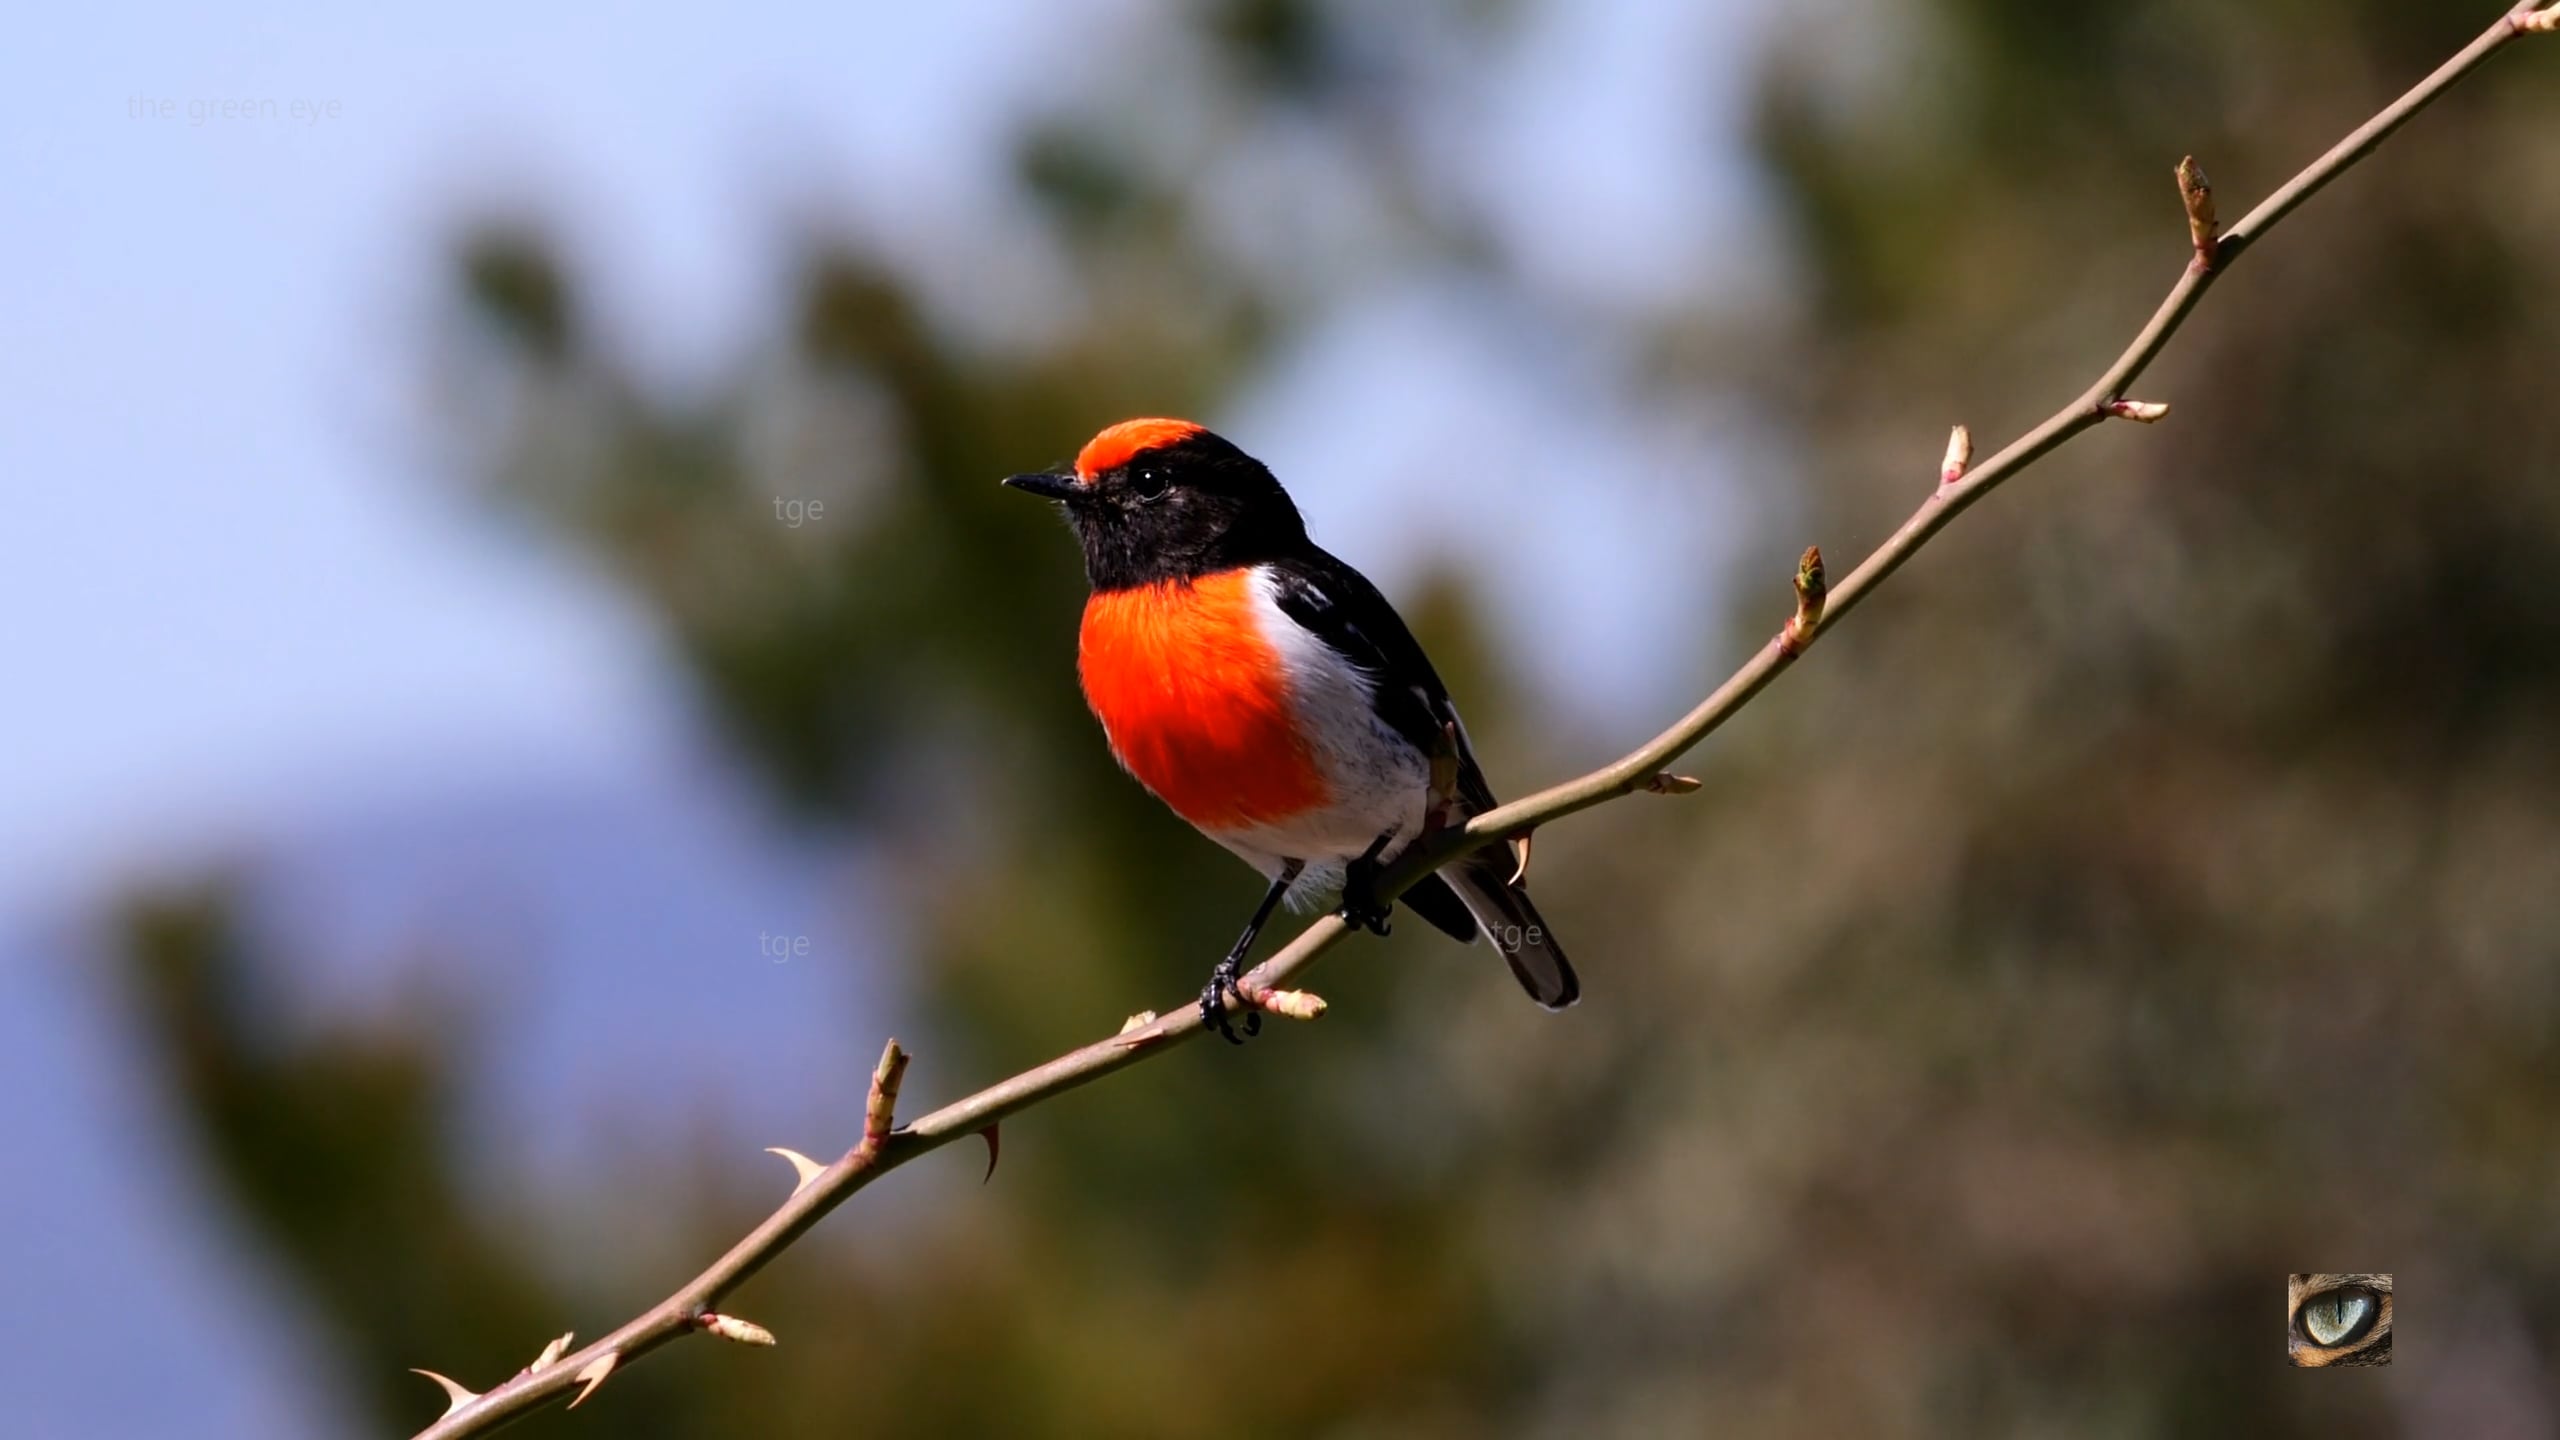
[
  {"x": 1361, "y": 907},
  {"x": 1223, "y": 997}
]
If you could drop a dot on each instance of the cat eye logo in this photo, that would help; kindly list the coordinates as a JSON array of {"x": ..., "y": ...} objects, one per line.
[{"x": 2337, "y": 1320}]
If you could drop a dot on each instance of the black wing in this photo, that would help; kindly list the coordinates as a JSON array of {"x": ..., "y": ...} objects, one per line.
[{"x": 1344, "y": 610}]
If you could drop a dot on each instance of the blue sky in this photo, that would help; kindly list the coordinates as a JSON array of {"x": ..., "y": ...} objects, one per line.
[{"x": 248, "y": 615}]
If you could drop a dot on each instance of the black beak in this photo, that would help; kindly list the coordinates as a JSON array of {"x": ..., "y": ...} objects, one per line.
[{"x": 1047, "y": 485}]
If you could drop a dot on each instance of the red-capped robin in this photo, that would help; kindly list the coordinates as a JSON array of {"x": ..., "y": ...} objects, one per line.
[{"x": 1269, "y": 694}]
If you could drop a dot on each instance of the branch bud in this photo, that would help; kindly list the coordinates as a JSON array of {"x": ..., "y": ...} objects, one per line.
[
  {"x": 1666, "y": 783},
  {"x": 551, "y": 1353},
  {"x": 1959, "y": 456},
  {"x": 1291, "y": 1004},
  {"x": 730, "y": 1327},
  {"x": 2538, "y": 22},
  {"x": 2197, "y": 191},
  {"x": 879, "y": 1113},
  {"x": 1811, "y": 589},
  {"x": 2148, "y": 412}
]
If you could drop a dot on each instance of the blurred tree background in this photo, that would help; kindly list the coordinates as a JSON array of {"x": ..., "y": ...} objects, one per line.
[{"x": 2157, "y": 892}]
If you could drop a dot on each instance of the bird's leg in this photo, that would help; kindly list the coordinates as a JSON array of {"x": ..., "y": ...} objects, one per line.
[
  {"x": 1222, "y": 980},
  {"x": 1361, "y": 907}
]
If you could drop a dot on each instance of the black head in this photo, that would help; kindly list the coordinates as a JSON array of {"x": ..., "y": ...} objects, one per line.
[{"x": 1158, "y": 500}]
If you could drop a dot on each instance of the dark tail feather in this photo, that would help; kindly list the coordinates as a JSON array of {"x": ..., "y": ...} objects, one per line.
[
  {"x": 1431, "y": 898},
  {"x": 1483, "y": 882}
]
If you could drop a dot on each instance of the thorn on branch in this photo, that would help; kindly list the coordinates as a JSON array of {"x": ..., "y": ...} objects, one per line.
[
  {"x": 456, "y": 1393},
  {"x": 2147, "y": 412},
  {"x": 2197, "y": 191},
  {"x": 1520, "y": 854},
  {"x": 1666, "y": 783},
  {"x": 730, "y": 1327},
  {"x": 1811, "y": 588},
  {"x": 1959, "y": 456},
  {"x": 989, "y": 1135},
  {"x": 880, "y": 1112},
  {"x": 1139, "y": 1021},
  {"x": 551, "y": 1353},
  {"x": 805, "y": 1167},
  {"x": 598, "y": 1370}
]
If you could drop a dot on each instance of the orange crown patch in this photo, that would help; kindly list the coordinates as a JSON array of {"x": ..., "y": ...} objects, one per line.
[{"x": 1126, "y": 441}]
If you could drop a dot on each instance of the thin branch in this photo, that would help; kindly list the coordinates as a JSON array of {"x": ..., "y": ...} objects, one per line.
[{"x": 884, "y": 1148}]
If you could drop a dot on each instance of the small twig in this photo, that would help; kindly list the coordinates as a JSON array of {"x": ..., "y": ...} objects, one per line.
[
  {"x": 691, "y": 1310},
  {"x": 883, "y": 1148}
]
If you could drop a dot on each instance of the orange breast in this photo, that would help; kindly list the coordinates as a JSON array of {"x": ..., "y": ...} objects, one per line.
[{"x": 1195, "y": 701}]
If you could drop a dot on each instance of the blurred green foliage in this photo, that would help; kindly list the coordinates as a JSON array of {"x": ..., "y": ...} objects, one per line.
[{"x": 2157, "y": 893}]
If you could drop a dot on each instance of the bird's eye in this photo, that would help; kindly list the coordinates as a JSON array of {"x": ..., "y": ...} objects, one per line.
[
  {"x": 2337, "y": 1316},
  {"x": 1149, "y": 483}
]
